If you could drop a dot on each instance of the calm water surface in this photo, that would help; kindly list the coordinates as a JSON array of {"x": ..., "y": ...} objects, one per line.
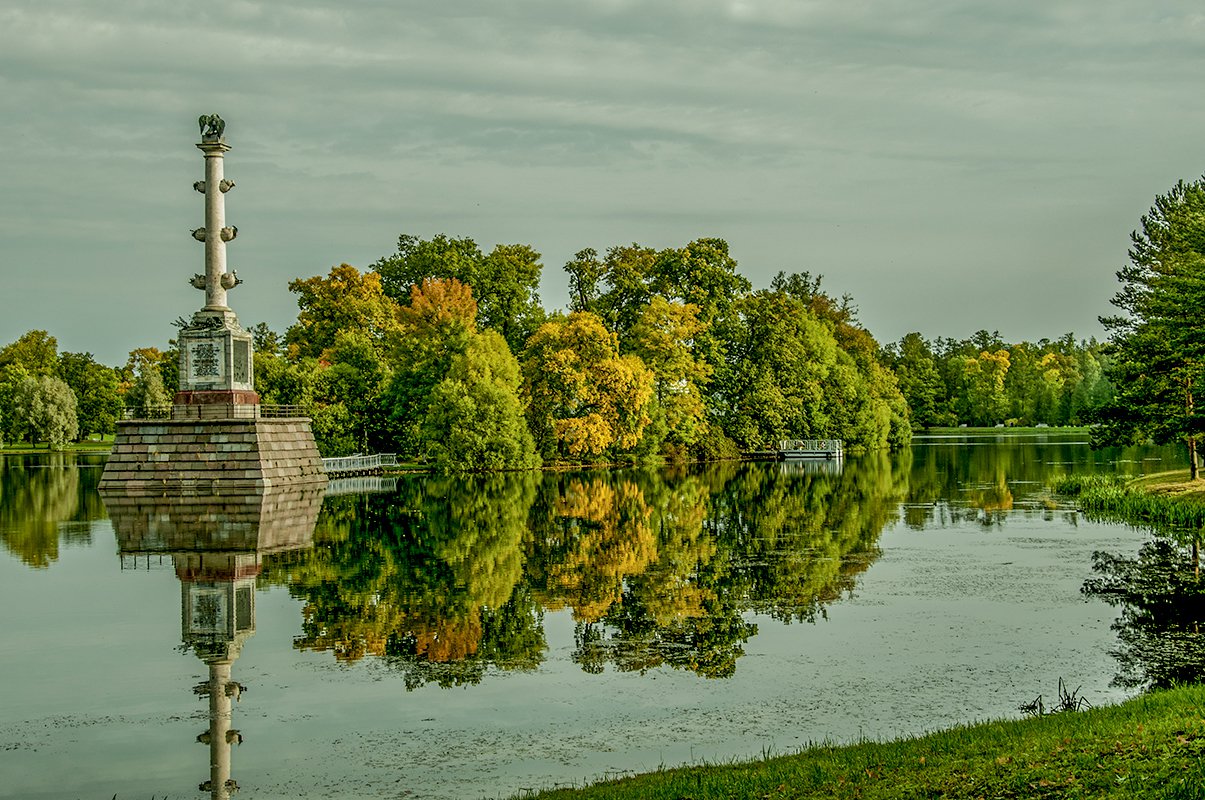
[{"x": 477, "y": 637}]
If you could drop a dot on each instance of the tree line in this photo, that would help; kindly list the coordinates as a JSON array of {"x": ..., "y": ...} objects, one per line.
[
  {"x": 443, "y": 351},
  {"x": 983, "y": 381}
]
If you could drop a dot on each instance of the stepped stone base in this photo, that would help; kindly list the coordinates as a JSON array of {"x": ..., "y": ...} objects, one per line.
[
  {"x": 211, "y": 456},
  {"x": 273, "y": 520}
]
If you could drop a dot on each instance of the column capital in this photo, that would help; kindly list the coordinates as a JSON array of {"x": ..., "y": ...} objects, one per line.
[{"x": 213, "y": 146}]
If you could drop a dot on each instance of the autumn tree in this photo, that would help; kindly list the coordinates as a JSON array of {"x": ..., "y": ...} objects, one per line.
[
  {"x": 663, "y": 338},
  {"x": 585, "y": 399},
  {"x": 985, "y": 374},
  {"x": 454, "y": 395},
  {"x": 505, "y": 282},
  {"x": 345, "y": 300},
  {"x": 434, "y": 327}
]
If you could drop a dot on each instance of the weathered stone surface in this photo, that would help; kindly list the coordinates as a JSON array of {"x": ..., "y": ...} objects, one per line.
[
  {"x": 267, "y": 520},
  {"x": 168, "y": 456}
]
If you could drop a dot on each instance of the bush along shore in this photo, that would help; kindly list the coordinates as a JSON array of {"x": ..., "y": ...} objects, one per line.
[
  {"x": 1152, "y": 746},
  {"x": 1167, "y": 501}
]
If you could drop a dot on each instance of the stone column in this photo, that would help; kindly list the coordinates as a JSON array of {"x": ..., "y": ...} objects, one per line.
[
  {"x": 216, "y": 234},
  {"x": 216, "y": 364}
]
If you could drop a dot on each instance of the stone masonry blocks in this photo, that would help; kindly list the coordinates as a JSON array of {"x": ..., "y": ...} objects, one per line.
[{"x": 179, "y": 455}]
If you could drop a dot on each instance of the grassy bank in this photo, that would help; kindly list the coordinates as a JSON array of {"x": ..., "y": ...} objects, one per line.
[
  {"x": 1150, "y": 747},
  {"x": 88, "y": 446},
  {"x": 1168, "y": 501}
]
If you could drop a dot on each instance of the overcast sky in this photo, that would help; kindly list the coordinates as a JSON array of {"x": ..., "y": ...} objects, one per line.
[{"x": 951, "y": 165}]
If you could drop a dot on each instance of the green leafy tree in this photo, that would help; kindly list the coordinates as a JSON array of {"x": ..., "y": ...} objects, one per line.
[
  {"x": 11, "y": 378},
  {"x": 475, "y": 420},
  {"x": 779, "y": 361},
  {"x": 586, "y": 274},
  {"x": 1158, "y": 349},
  {"x": 147, "y": 395},
  {"x": 354, "y": 378},
  {"x": 265, "y": 340},
  {"x": 35, "y": 351},
  {"x": 505, "y": 282},
  {"x": 97, "y": 391},
  {"x": 919, "y": 380},
  {"x": 417, "y": 260},
  {"x": 44, "y": 408}
]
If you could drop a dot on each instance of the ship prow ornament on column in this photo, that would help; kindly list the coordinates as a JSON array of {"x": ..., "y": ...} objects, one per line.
[{"x": 217, "y": 439}]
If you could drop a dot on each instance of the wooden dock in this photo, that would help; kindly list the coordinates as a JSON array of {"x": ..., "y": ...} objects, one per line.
[{"x": 800, "y": 449}]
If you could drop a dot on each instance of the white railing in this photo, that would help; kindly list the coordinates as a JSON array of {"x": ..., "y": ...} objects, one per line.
[
  {"x": 344, "y": 465},
  {"x": 811, "y": 445},
  {"x": 215, "y": 411}
]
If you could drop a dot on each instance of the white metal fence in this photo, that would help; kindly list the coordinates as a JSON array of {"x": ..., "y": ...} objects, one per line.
[
  {"x": 215, "y": 411},
  {"x": 350, "y": 465},
  {"x": 811, "y": 446}
]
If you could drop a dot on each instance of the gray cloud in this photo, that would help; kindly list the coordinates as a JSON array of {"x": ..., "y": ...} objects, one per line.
[{"x": 953, "y": 165}]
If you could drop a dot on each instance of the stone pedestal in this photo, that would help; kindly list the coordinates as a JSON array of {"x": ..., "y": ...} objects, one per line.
[{"x": 211, "y": 456}]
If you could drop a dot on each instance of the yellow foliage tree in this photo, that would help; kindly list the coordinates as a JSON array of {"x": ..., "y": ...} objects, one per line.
[
  {"x": 584, "y": 398},
  {"x": 664, "y": 338},
  {"x": 345, "y": 300}
]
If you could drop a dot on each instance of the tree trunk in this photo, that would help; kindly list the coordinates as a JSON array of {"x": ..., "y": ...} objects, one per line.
[{"x": 1189, "y": 408}]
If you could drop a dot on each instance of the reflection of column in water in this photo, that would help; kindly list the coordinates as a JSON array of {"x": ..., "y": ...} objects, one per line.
[
  {"x": 216, "y": 545},
  {"x": 221, "y": 735},
  {"x": 217, "y": 617}
]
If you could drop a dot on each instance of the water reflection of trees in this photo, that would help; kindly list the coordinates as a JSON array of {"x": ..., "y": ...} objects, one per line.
[
  {"x": 1162, "y": 601},
  {"x": 45, "y": 501},
  {"x": 765, "y": 538},
  {"x": 449, "y": 578},
  {"x": 428, "y": 579},
  {"x": 983, "y": 478}
]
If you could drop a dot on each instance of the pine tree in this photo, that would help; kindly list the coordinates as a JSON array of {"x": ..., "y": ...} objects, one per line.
[{"x": 1157, "y": 343}]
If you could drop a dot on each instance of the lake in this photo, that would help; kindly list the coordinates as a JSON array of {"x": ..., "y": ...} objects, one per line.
[{"x": 427, "y": 637}]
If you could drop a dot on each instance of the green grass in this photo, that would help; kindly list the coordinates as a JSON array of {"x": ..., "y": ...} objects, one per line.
[
  {"x": 1167, "y": 501},
  {"x": 1150, "y": 747},
  {"x": 89, "y": 446}
]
